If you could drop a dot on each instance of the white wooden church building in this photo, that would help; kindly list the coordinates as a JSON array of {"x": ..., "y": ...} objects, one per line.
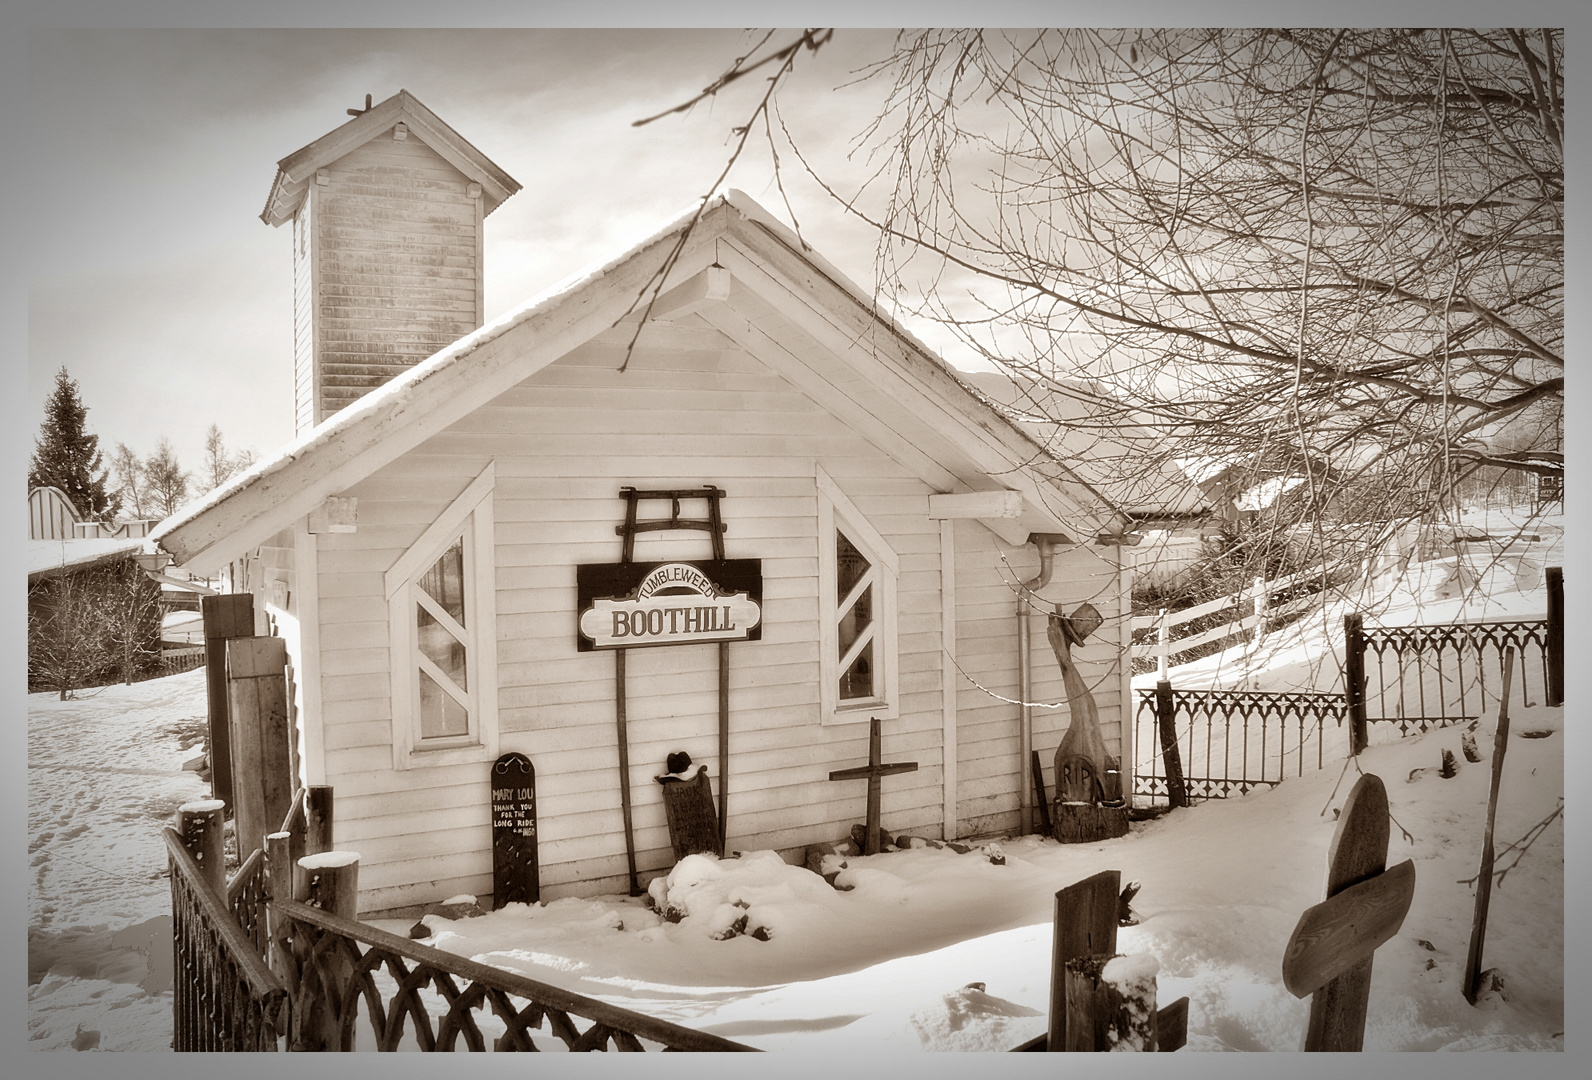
[{"x": 417, "y": 544}]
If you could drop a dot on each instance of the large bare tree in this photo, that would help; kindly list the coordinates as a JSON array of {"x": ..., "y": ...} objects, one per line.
[
  {"x": 1329, "y": 262},
  {"x": 1333, "y": 254}
]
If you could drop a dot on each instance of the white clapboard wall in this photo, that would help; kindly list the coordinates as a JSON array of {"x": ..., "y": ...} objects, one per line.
[{"x": 692, "y": 409}]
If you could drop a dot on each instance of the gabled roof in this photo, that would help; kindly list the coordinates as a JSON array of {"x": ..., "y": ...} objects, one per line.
[
  {"x": 747, "y": 276},
  {"x": 297, "y": 170}
]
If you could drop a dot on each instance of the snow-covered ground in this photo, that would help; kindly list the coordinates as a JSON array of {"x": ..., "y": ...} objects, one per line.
[
  {"x": 891, "y": 963},
  {"x": 104, "y": 774}
]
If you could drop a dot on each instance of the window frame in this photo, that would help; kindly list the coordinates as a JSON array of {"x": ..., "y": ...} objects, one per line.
[
  {"x": 838, "y": 514},
  {"x": 470, "y": 516}
]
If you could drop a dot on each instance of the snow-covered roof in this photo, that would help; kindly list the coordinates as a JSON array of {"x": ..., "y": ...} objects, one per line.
[
  {"x": 733, "y": 229},
  {"x": 47, "y": 557}
]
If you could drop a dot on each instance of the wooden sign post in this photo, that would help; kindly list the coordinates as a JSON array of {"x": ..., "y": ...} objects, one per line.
[
  {"x": 515, "y": 875},
  {"x": 1478, "y": 926},
  {"x": 1329, "y": 955},
  {"x": 873, "y": 772}
]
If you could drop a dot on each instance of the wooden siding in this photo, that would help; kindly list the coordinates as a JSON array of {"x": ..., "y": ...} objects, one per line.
[
  {"x": 692, "y": 409},
  {"x": 564, "y": 442},
  {"x": 396, "y": 262},
  {"x": 988, "y": 735}
]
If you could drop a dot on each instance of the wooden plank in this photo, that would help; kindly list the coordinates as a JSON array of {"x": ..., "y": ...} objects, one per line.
[
  {"x": 1336, "y": 934},
  {"x": 261, "y": 737}
]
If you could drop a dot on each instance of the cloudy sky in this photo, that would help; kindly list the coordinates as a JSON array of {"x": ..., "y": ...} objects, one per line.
[{"x": 152, "y": 279}]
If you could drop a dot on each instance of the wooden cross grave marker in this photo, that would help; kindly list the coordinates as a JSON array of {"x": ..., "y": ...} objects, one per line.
[
  {"x": 873, "y": 772},
  {"x": 1329, "y": 955}
]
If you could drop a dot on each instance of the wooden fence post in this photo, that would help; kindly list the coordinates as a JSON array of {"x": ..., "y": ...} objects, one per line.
[
  {"x": 1166, "y": 722},
  {"x": 1087, "y": 915},
  {"x": 1555, "y": 576},
  {"x": 199, "y": 825},
  {"x": 279, "y": 865},
  {"x": 230, "y": 615},
  {"x": 1354, "y": 680},
  {"x": 329, "y": 881},
  {"x": 1163, "y": 642},
  {"x": 1478, "y": 926},
  {"x": 262, "y": 767}
]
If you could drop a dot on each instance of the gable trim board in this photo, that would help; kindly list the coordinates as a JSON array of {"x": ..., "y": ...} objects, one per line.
[{"x": 893, "y": 378}]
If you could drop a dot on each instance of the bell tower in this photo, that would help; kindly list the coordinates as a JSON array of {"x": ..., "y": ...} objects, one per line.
[{"x": 387, "y": 215}]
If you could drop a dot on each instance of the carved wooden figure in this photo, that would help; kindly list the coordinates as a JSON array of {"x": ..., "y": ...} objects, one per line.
[{"x": 1088, "y": 804}]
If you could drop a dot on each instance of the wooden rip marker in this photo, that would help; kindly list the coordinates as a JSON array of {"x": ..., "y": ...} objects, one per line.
[
  {"x": 873, "y": 772},
  {"x": 1329, "y": 955}
]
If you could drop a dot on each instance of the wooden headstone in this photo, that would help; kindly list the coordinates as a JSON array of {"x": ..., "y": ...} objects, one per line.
[
  {"x": 693, "y": 822},
  {"x": 515, "y": 876},
  {"x": 1329, "y": 955}
]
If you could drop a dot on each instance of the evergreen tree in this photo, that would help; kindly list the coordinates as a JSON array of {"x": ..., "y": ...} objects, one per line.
[{"x": 66, "y": 456}]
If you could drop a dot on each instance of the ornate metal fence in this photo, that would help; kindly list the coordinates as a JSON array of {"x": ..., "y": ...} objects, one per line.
[
  {"x": 225, "y": 997},
  {"x": 247, "y": 895},
  {"x": 1423, "y": 677},
  {"x": 1232, "y": 741},
  {"x": 359, "y": 988}
]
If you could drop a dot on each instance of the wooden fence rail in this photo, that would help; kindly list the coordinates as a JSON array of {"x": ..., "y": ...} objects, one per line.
[{"x": 1258, "y": 598}]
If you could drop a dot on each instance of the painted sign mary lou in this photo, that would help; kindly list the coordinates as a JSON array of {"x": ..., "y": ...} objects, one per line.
[{"x": 631, "y": 605}]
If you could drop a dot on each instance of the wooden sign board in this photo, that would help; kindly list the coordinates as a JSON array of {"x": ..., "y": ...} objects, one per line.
[
  {"x": 515, "y": 875},
  {"x": 638, "y": 605}
]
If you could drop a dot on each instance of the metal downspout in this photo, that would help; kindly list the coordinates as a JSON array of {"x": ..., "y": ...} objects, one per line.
[{"x": 1044, "y": 543}]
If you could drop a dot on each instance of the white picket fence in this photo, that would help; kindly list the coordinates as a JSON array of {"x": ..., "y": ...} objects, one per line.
[{"x": 1257, "y": 598}]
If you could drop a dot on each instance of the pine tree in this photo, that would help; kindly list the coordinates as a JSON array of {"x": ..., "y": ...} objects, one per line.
[{"x": 66, "y": 456}]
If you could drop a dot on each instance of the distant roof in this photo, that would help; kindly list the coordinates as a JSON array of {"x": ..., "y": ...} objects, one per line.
[
  {"x": 49, "y": 557},
  {"x": 295, "y": 172}
]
